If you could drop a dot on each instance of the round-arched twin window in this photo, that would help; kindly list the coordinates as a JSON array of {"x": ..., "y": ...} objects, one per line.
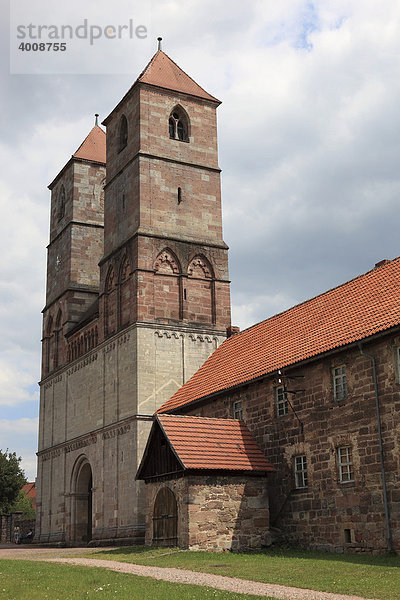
[{"x": 178, "y": 126}]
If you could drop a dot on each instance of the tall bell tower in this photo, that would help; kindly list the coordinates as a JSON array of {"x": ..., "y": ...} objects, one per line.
[
  {"x": 164, "y": 255},
  {"x": 144, "y": 301}
]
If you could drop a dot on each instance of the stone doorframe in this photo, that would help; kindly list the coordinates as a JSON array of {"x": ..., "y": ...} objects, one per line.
[{"x": 81, "y": 487}]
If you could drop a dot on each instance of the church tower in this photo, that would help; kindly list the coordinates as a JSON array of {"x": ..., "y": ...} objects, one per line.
[
  {"x": 139, "y": 324},
  {"x": 76, "y": 245}
]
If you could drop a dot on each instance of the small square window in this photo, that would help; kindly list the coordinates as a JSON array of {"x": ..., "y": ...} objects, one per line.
[
  {"x": 237, "y": 410},
  {"x": 345, "y": 462},
  {"x": 348, "y": 536},
  {"x": 339, "y": 383},
  {"x": 300, "y": 472},
  {"x": 282, "y": 405}
]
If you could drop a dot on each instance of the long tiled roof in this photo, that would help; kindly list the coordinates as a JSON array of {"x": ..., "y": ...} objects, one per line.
[
  {"x": 93, "y": 147},
  {"x": 362, "y": 307},
  {"x": 206, "y": 443},
  {"x": 163, "y": 72}
]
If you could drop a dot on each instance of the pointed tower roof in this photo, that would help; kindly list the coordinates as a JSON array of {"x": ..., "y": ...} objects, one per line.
[
  {"x": 93, "y": 147},
  {"x": 163, "y": 72}
]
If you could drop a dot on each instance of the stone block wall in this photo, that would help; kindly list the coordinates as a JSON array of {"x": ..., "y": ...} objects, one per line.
[
  {"x": 97, "y": 406},
  {"x": 216, "y": 512},
  {"x": 7, "y": 524},
  {"x": 328, "y": 514}
]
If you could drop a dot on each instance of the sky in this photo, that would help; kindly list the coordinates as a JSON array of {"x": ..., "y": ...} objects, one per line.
[{"x": 309, "y": 148}]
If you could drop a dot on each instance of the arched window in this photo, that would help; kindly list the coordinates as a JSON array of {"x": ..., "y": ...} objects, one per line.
[
  {"x": 124, "y": 292},
  {"x": 167, "y": 286},
  {"x": 110, "y": 303},
  {"x": 179, "y": 125},
  {"x": 200, "y": 291},
  {"x": 61, "y": 204},
  {"x": 57, "y": 329},
  {"x": 48, "y": 344},
  {"x": 123, "y": 132}
]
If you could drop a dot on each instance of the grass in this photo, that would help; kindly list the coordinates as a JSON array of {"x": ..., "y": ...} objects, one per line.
[
  {"x": 362, "y": 575},
  {"x": 28, "y": 580}
]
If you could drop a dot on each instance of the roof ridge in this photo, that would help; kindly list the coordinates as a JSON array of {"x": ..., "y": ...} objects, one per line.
[
  {"x": 312, "y": 298},
  {"x": 187, "y": 75},
  {"x": 146, "y": 67},
  {"x": 147, "y": 71},
  {"x": 90, "y": 141},
  {"x": 198, "y": 417}
]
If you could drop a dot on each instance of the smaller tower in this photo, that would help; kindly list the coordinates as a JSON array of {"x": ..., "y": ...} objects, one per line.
[{"x": 76, "y": 245}]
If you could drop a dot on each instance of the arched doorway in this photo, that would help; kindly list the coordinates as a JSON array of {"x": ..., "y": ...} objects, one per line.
[
  {"x": 165, "y": 519},
  {"x": 82, "y": 503}
]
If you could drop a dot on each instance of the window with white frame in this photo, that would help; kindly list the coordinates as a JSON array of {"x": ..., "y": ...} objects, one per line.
[
  {"x": 339, "y": 383},
  {"x": 300, "y": 472},
  {"x": 237, "y": 410},
  {"x": 345, "y": 462},
  {"x": 282, "y": 405}
]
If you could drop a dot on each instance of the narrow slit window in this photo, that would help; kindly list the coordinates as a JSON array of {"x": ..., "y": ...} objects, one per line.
[
  {"x": 61, "y": 204},
  {"x": 179, "y": 195},
  {"x": 123, "y": 132}
]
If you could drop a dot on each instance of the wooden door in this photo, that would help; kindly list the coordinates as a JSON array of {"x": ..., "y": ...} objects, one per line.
[{"x": 165, "y": 519}]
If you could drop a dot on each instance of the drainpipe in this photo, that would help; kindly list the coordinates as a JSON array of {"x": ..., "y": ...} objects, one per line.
[{"x": 378, "y": 417}]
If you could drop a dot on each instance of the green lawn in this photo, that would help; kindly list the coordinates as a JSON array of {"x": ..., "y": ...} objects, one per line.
[
  {"x": 27, "y": 580},
  {"x": 366, "y": 576}
]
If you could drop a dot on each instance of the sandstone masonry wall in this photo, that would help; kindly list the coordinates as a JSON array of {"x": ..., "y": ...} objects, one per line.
[{"x": 328, "y": 514}]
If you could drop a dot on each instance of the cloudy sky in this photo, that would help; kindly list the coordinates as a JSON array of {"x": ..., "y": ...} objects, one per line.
[{"x": 309, "y": 143}]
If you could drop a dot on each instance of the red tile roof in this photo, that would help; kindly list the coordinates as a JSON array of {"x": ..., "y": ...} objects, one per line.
[
  {"x": 93, "y": 147},
  {"x": 29, "y": 490},
  {"x": 355, "y": 310},
  {"x": 164, "y": 72},
  {"x": 205, "y": 443}
]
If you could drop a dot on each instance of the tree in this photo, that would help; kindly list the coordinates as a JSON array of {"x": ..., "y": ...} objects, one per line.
[
  {"x": 12, "y": 478},
  {"x": 23, "y": 504}
]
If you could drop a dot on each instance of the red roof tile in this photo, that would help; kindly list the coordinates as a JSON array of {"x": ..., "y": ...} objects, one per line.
[
  {"x": 205, "y": 443},
  {"x": 29, "y": 490},
  {"x": 164, "y": 72},
  {"x": 93, "y": 147},
  {"x": 355, "y": 310}
]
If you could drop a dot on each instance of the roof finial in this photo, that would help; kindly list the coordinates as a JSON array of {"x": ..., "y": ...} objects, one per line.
[
  {"x": 159, "y": 43},
  {"x": 97, "y": 119}
]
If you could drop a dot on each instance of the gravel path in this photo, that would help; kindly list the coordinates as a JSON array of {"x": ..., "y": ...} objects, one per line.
[{"x": 230, "y": 584}]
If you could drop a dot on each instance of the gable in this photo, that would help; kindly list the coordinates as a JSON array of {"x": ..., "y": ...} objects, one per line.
[{"x": 158, "y": 459}]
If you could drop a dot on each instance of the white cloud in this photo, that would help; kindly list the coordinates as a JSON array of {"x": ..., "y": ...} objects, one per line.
[
  {"x": 17, "y": 427},
  {"x": 20, "y": 436}
]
